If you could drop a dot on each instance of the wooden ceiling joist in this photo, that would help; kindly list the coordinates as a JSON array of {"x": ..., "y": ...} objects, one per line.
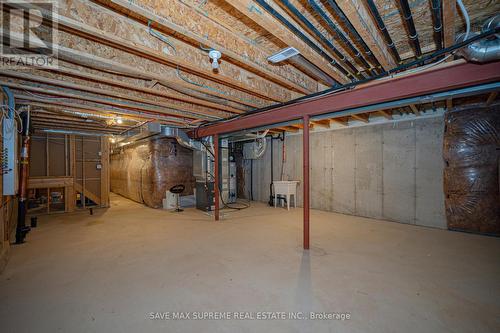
[
  {"x": 364, "y": 25},
  {"x": 261, "y": 17},
  {"x": 72, "y": 106},
  {"x": 79, "y": 113},
  {"x": 96, "y": 62},
  {"x": 104, "y": 101},
  {"x": 449, "y": 14},
  {"x": 45, "y": 126},
  {"x": 68, "y": 85},
  {"x": 147, "y": 90},
  {"x": 72, "y": 125},
  {"x": 103, "y": 37},
  {"x": 163, "y": 24}
]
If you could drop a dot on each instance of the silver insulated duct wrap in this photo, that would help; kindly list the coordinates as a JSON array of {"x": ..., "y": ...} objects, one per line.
[{"x": 485, "y": 50}]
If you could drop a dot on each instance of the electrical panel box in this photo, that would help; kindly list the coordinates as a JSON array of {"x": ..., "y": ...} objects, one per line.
[{"x": 9, "y": 157}]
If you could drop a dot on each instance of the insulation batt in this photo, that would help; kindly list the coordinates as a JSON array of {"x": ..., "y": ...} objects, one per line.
[
  {"x": 144, "y": 171},
  {"x": 471, "y": 175}
]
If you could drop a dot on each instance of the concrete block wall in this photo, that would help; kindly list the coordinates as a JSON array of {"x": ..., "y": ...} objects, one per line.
[{"x": 390, "y": 171}]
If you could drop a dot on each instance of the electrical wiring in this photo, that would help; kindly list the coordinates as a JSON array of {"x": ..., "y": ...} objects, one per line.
[
  {"x": 466, "y": 16},
  {"x": 352, "y": 85},
  {"x": 42, "y": 96},
  {"x": 17, "y": 117},
  {"x": 185, "y": 79},
  {"x": 160, "y": 37},
  {"x": 466, "y": 36}
]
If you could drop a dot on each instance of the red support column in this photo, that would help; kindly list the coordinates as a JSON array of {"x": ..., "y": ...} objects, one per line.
[
  {"x": 305, "y": 155},
  {"x": 216, "y": 174}
]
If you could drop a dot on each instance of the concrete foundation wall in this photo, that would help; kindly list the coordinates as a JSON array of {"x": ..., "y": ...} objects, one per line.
[{"x": 391, "y": 171}]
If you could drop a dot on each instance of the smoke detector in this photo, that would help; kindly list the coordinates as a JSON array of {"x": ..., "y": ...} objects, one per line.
[
  {"x": 283, "y": 55},
  {"x": 215, "y": 56}
]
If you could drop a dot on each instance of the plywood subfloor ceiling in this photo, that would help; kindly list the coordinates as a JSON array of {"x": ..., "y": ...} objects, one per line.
[{"x": 126, "y": 62}]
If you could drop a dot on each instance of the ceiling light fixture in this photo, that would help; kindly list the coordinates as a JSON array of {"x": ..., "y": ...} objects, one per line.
[{"x": 215, "y": 56}]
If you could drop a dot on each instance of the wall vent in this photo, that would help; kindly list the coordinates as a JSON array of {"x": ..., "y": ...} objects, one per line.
[{"x": 283, "y": 55}]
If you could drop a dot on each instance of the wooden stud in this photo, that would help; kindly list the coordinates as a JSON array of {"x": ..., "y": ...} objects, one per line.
[
  {"x": 415, "y": 110},
  {"x": 341, "y": 121},
  {"x": 362, "y": 117},
  {"x": 449, "y": 104},
  {"x": 322, "y": 123},
  {"x": 491, "y": 98},
  {"x": 386, "y": 113},
  {"x": 449, "y": 14}
]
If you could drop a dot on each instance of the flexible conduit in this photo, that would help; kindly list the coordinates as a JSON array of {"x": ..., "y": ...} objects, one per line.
[
  {"x": 354, "y": 33},
  {"x": 299, "y": 34},
  {"x": 381, "y": 25},
  {"x": 338, "y": 32},
  {"x": 410, "y": 26},
  {"x": 310, "y": 26},
  {"x": 438, "y": 24}
]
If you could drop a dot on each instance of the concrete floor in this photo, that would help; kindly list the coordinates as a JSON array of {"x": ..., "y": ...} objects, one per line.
[{"x": 109, "y": 271}]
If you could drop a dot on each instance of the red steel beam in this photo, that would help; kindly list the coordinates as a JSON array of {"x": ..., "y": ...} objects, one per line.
[
  {"x": 305, "y": 180},
  {"x": 216, "y": 172},
  {"x": 444, "y": 78}
]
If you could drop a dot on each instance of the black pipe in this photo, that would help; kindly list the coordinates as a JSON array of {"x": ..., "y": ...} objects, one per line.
[
  {"x": 22, "y": 229},
  {"x": 381, "y": 25},
  {"x": 351, "y": 85},
  {"x": 329, "y": 44},
  {"x": 410, "y": 26},
  {"x": 355, "y": 34},
  {"x": 438, "y": 24},
  {"x": 299, "y": 34},
  {"x": 338, "y": 32},
  {"x": 271, "y": 196}
]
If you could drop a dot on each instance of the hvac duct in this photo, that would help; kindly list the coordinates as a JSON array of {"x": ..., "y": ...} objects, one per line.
[
  {"x": 484, "y": 50},
  {"x": 157, "y": 130}
]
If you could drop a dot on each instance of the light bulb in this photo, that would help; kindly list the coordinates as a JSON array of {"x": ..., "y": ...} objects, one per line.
[
  {"x": 119, "y": 120},
  {"x": 215, "y": 64}
]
